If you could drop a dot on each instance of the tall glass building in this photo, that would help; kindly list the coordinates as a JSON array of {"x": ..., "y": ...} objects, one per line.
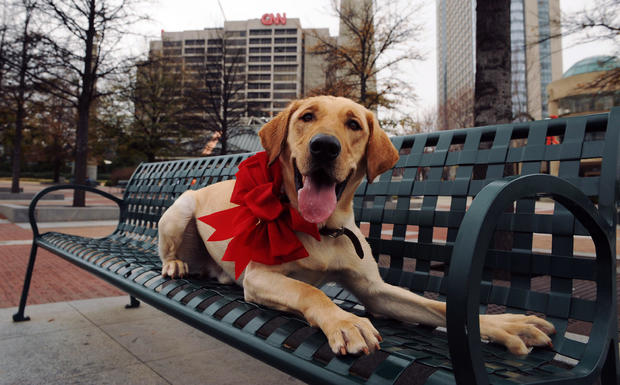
[{"x": 536, "y": 58}]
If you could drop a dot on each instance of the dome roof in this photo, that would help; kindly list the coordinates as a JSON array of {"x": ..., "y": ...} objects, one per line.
[{"x": 593, "y": 64}]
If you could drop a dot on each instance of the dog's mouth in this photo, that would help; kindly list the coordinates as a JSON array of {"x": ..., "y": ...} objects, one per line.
[{"x": 318, "y": 193}]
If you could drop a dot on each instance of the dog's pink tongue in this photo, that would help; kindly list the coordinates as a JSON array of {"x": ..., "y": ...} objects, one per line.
[{"x": 316, "y": 203}]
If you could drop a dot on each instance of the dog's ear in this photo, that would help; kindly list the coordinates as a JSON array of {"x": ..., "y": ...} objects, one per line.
[
  {"x": 381, "y": 155},
  {"x": 273, "y": 133}
]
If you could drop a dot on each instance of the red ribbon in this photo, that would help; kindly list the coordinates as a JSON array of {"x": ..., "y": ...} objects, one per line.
[{"x": 262, "y": 227}]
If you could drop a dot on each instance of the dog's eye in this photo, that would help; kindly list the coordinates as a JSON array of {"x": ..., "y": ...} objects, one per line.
[
  {"x": 307, "y": 117},
  {"x": 355, "y": 126}
]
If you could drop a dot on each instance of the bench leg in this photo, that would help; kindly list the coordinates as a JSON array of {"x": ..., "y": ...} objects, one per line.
[
  {"x": 133, "y": 303},
  {"x": 611, "y": 373},
  {"x": 19, "y": 316}
]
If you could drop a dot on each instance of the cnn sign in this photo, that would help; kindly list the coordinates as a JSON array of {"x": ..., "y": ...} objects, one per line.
[{"x": 270, "y": 18}]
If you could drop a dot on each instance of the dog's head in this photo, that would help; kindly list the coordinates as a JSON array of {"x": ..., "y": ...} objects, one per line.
[{"x": 326, "y": 145}]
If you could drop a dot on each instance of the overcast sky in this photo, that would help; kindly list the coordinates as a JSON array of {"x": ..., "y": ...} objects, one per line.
[{"x": 179, "y": 15}]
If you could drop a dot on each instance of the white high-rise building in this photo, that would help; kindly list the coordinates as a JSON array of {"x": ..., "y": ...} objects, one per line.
[{"x": 275, "y": 60}]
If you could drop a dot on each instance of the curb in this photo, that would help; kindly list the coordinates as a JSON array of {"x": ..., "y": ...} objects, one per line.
[{"x": 17, "y": 213}]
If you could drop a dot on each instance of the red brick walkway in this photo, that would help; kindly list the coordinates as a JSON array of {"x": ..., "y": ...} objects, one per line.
[{"x": 53, "y": 279}]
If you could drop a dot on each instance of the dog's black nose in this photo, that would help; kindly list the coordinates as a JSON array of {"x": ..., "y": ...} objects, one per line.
[{"x": 324, "y": 147}]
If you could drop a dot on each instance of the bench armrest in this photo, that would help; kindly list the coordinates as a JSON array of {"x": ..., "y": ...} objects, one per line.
[
  {"x": 468, "y": 257},
  {"x": 31, "y": 209}
]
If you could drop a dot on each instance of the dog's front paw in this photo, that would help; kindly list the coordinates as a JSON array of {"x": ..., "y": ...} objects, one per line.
[
  {"x": 351, "y": 334},
  {"x": 174, "y": 268},
  {"x": 517, "y": 332}
]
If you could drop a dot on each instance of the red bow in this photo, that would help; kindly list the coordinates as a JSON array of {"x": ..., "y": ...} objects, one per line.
[{"x": 262, "y": 227}]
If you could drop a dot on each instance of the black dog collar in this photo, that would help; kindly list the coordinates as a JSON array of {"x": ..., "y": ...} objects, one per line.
[{"x": 335, "y": 233}]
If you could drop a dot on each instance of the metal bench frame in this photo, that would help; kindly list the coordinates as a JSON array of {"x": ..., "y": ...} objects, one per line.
[{"x": 488, "y": 270}]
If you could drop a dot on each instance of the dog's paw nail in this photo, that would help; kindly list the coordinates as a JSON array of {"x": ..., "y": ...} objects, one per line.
[
  {"x": 366, "y": 351},
  {"x": 343, "y": 351}
]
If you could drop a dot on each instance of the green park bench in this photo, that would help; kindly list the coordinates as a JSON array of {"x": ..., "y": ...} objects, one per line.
[{"x": 458, "y": 218}]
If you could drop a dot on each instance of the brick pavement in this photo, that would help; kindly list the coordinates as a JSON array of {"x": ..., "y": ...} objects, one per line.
[{"x": 54, "y": 279}]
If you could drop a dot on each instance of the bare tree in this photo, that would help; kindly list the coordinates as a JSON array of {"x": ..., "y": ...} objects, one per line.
[
  {"x": 84, "y": 48},
  {"x": 375, "y": 37},
  {"x": 492, "y": 93},
  {"x": 154, "y": 94},
  {"x": 424, "y": 121},
  {"x": 5, "y": 110},
  {"x": 601, "y": 22},
  {"x": 215, "y": 91},
  {"x": 54, "y": 137},
  {"x": 21, "y": 61},
  {"x": 457, "y": 111}
]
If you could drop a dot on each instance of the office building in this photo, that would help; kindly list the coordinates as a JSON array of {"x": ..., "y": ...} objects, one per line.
[
  {"x": 587, "y": 87},
  {"x": 274, "y": 62},
  {"x": 536, "y": 58}
]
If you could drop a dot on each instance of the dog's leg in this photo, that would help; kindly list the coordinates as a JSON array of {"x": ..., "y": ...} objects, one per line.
[
  {"x": 346, "y": 332},
  {"x": 170, "y": 232},
  {"x": 515, "y": 331}
]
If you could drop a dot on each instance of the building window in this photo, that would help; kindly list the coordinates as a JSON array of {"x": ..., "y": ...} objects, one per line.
[
  {"x": 189, "y": 51},
  {"x": 235, "y": 33},
  {"x": 235, "y": 51},
  {"x": 284, "y": 40},
  {"x": 259, "y": 95},
  {"x": 259, "y": 77},
  {"x": 262, "y": 40},
  {"x": 235, "y": 59},
  {"x": 284, "y": 58},
  {"x": 215, "y": 41},
  {"x": 256, "y": 68},
  {"x": 260, "y": 59},
  {"x": 260, "y": 49},
  {"x": 285, "y": 77},
  {"x": 284, "y": 95},
  {"x": 285, "y": 68},
  {"x": 195, "y": 42},
  {"x": 255, "y": 32},
  {"x": 285, "y": 49},
  {"x": 286, "y": 31},
  {"x": 280, "y": 104},
  {"x": 195, "y": 59},
  {"x": 285, "y": 86},
  {"x": 236, "y": 42},
  {"x": 259, "y": 105},
  {"x": 168, "y": 43},
  {"x": 259, "y": 86}
]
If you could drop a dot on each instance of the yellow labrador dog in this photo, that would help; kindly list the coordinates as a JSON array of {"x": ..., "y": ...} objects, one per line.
[{"x": 325, "y": 146}]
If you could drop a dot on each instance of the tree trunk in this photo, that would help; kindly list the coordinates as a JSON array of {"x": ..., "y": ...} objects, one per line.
[
  {"x": 224, "y": 141},
  {"x": 57, "y": 166},
  {"x": 492, "y": 99},
  {"x": 492, "y": 94},
  {"x": 21, "y": 100},
  {"x": 17, "y": 148},
  {"x": 84, "y": 104},
  {"x": 81, "y": 153}
]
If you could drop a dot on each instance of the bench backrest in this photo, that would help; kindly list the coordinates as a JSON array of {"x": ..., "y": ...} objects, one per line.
[{"x": 412, "y": 215}]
